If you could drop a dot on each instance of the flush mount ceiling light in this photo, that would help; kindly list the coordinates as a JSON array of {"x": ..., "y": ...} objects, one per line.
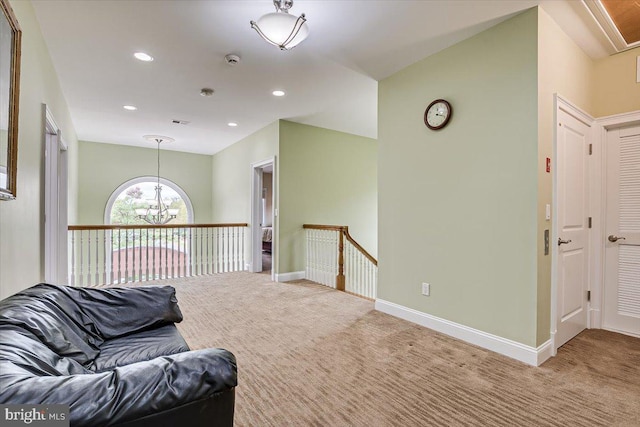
[
  {"x": 130, "y": 107},
  {"x": 232, "y": 124},
  {"x": 143, "y": 56},
  {"x": 281, "y": 29},
  {"x": 278, "y": 93}
]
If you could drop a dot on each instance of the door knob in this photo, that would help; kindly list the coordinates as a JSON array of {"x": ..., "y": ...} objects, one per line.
[
  {"x": 614, "y": 239},
  {"x": 563, "y": 242}
]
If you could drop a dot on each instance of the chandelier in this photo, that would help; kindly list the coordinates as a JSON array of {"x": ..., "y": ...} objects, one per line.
[
  {"x": 281, "y": 29},
  {"x": 157, "y": 212}
]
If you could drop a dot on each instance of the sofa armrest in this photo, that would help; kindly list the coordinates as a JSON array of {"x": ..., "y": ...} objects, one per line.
[{"x": 128, "y": 392}]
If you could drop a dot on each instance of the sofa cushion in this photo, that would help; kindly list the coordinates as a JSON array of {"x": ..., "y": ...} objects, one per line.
[
  {"x": 20, "y": 347},
  {"x": 122, "y": 311},
  {"x": 55, "y": 319},
  {"x": 139, "y": 347}
]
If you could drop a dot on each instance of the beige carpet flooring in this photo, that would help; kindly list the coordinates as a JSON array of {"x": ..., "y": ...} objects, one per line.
[{"x": 311, "y": 356}]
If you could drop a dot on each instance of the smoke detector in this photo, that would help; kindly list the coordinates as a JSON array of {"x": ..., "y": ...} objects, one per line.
[
  {"x": 205, "y": 91},
  {"x": 232, "y": 59}
]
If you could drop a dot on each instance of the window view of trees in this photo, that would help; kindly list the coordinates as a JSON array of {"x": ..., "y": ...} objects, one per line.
[{"x": 138, "y": 196}]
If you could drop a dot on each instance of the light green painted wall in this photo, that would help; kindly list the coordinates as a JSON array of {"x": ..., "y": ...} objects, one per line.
[
  {"x": 231, "y": 179},
  {"x": 565, "y": 69},
  {"x": 104, "y": 167},
  {"x": 457, "y": 207},
  {"x": 326, "y": 177},
  {"x": 231, "y": 172},
  {"x": 21, "y": 220}
]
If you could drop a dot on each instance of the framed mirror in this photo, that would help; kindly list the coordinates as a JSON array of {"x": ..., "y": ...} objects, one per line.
[{"x": 10, "y": 39}]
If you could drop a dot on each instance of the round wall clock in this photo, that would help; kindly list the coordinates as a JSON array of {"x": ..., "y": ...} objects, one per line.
[{"x": 438, "y": 114}]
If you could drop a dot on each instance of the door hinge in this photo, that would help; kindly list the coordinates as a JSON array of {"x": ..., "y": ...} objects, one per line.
[
  {"x": 590, "y": 222},
  {"x": 590, "y": 149},
  {"x": 588, "y": 295}
]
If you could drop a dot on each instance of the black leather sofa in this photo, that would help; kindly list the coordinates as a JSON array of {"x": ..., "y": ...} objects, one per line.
[{"x": 114, "y": 356}]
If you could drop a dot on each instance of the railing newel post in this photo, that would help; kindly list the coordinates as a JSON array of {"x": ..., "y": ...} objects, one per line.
[
  {"x": 73, "y": 258},
  {"x": 340, "y": 282},
  {"x": 357, "y": 270}
]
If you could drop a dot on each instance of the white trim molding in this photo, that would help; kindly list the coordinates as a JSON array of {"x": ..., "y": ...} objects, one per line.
[
  {"x": 608, "y": 27},
  {"x": 255, "y": 227},
  {"x": 286, "y": 277},
  {"x": 619, "y": 120},
  {"x": 515, "y": 350}
]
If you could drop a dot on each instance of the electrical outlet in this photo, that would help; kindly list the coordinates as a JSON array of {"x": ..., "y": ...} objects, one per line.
[{"x": 426, "y": 289}]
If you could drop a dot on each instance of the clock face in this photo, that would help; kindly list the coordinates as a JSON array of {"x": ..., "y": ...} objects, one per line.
[{"x": 437, "y": 114}]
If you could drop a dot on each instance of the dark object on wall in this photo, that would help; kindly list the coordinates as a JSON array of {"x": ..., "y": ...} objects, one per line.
[
  {"x": 438, "y": 114},
  {"x": 114, "y": 356},
  {"x": 10, "y": 95}
]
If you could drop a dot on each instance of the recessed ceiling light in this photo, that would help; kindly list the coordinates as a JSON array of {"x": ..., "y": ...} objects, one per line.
[
  {"x": 130, "y": 107},
  {"x": 232, "y": 124},
  {"x": 143, "y": 56},
  {"x": 278, "y": 93}
]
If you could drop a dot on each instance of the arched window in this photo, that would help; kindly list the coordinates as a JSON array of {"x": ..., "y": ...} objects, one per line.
[{"x": 135, "y": 194}]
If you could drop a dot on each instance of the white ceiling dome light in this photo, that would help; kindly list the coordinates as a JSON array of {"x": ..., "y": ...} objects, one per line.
[
  {"x": 281, "y": 29},
  {"x": 142, "y": 56}
]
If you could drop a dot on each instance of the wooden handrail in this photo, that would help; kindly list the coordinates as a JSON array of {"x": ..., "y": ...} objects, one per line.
[
  {"x": 123, "y": 253},
  {"x": 145, "y": 226},
  {"x": 360, "y": 248},
  {"x": 344, "y": 229},
  {"x": 325, "y": 227},
  {"x": 357, "y": 268},
  {"x": 344, "y": 232}
]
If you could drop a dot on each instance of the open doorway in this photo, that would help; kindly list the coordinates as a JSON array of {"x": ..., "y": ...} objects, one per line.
[
  {"x": 267, "y": 218},
  {"x": 263, "y": 209}
]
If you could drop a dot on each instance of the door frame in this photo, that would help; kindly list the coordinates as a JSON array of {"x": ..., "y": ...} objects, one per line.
[
  {"x": 562, "y": 104},
  {"x": 55, "y": 213},
  {"x": 602, "y": 126},
  {"x": 255, "y": 265}
]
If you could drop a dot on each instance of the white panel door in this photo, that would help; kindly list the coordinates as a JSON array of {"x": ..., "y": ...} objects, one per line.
[
  {"x": 622, "y": 245},
  {"x": 573, "y": 232}
]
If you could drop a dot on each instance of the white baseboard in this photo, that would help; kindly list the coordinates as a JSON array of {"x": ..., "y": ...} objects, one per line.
[
  {"x": 286, "y": 277},
  {"x": 618, "y": 331},
  {"x": 515, "y": 350}
]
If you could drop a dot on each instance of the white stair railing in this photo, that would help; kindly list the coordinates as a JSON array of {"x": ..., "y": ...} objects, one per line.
[
  {"x": 361, "y": 274},
  {"x": 336, "y": 260},
  {"x": 322, "y": 256},
  {"x": 117, "y": 254}
]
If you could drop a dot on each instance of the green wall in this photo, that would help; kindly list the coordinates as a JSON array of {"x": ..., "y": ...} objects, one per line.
[
  {"x": 231, "y": 179},
  {"x": 231, "y": 174},
  {"x": 326, "y": 177},
  {"x": 22, "y": 220},
  {"x": 457, "y": 207},
  {"x": 321, "y": 176},
  {"x": 104, "y": 167}
]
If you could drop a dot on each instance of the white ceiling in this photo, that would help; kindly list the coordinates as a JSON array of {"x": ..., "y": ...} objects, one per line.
[{"x": 330, "y": 79}]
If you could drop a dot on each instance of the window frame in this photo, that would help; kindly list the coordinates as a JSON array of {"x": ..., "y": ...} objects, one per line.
[{"x": 163, "y": 181}]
